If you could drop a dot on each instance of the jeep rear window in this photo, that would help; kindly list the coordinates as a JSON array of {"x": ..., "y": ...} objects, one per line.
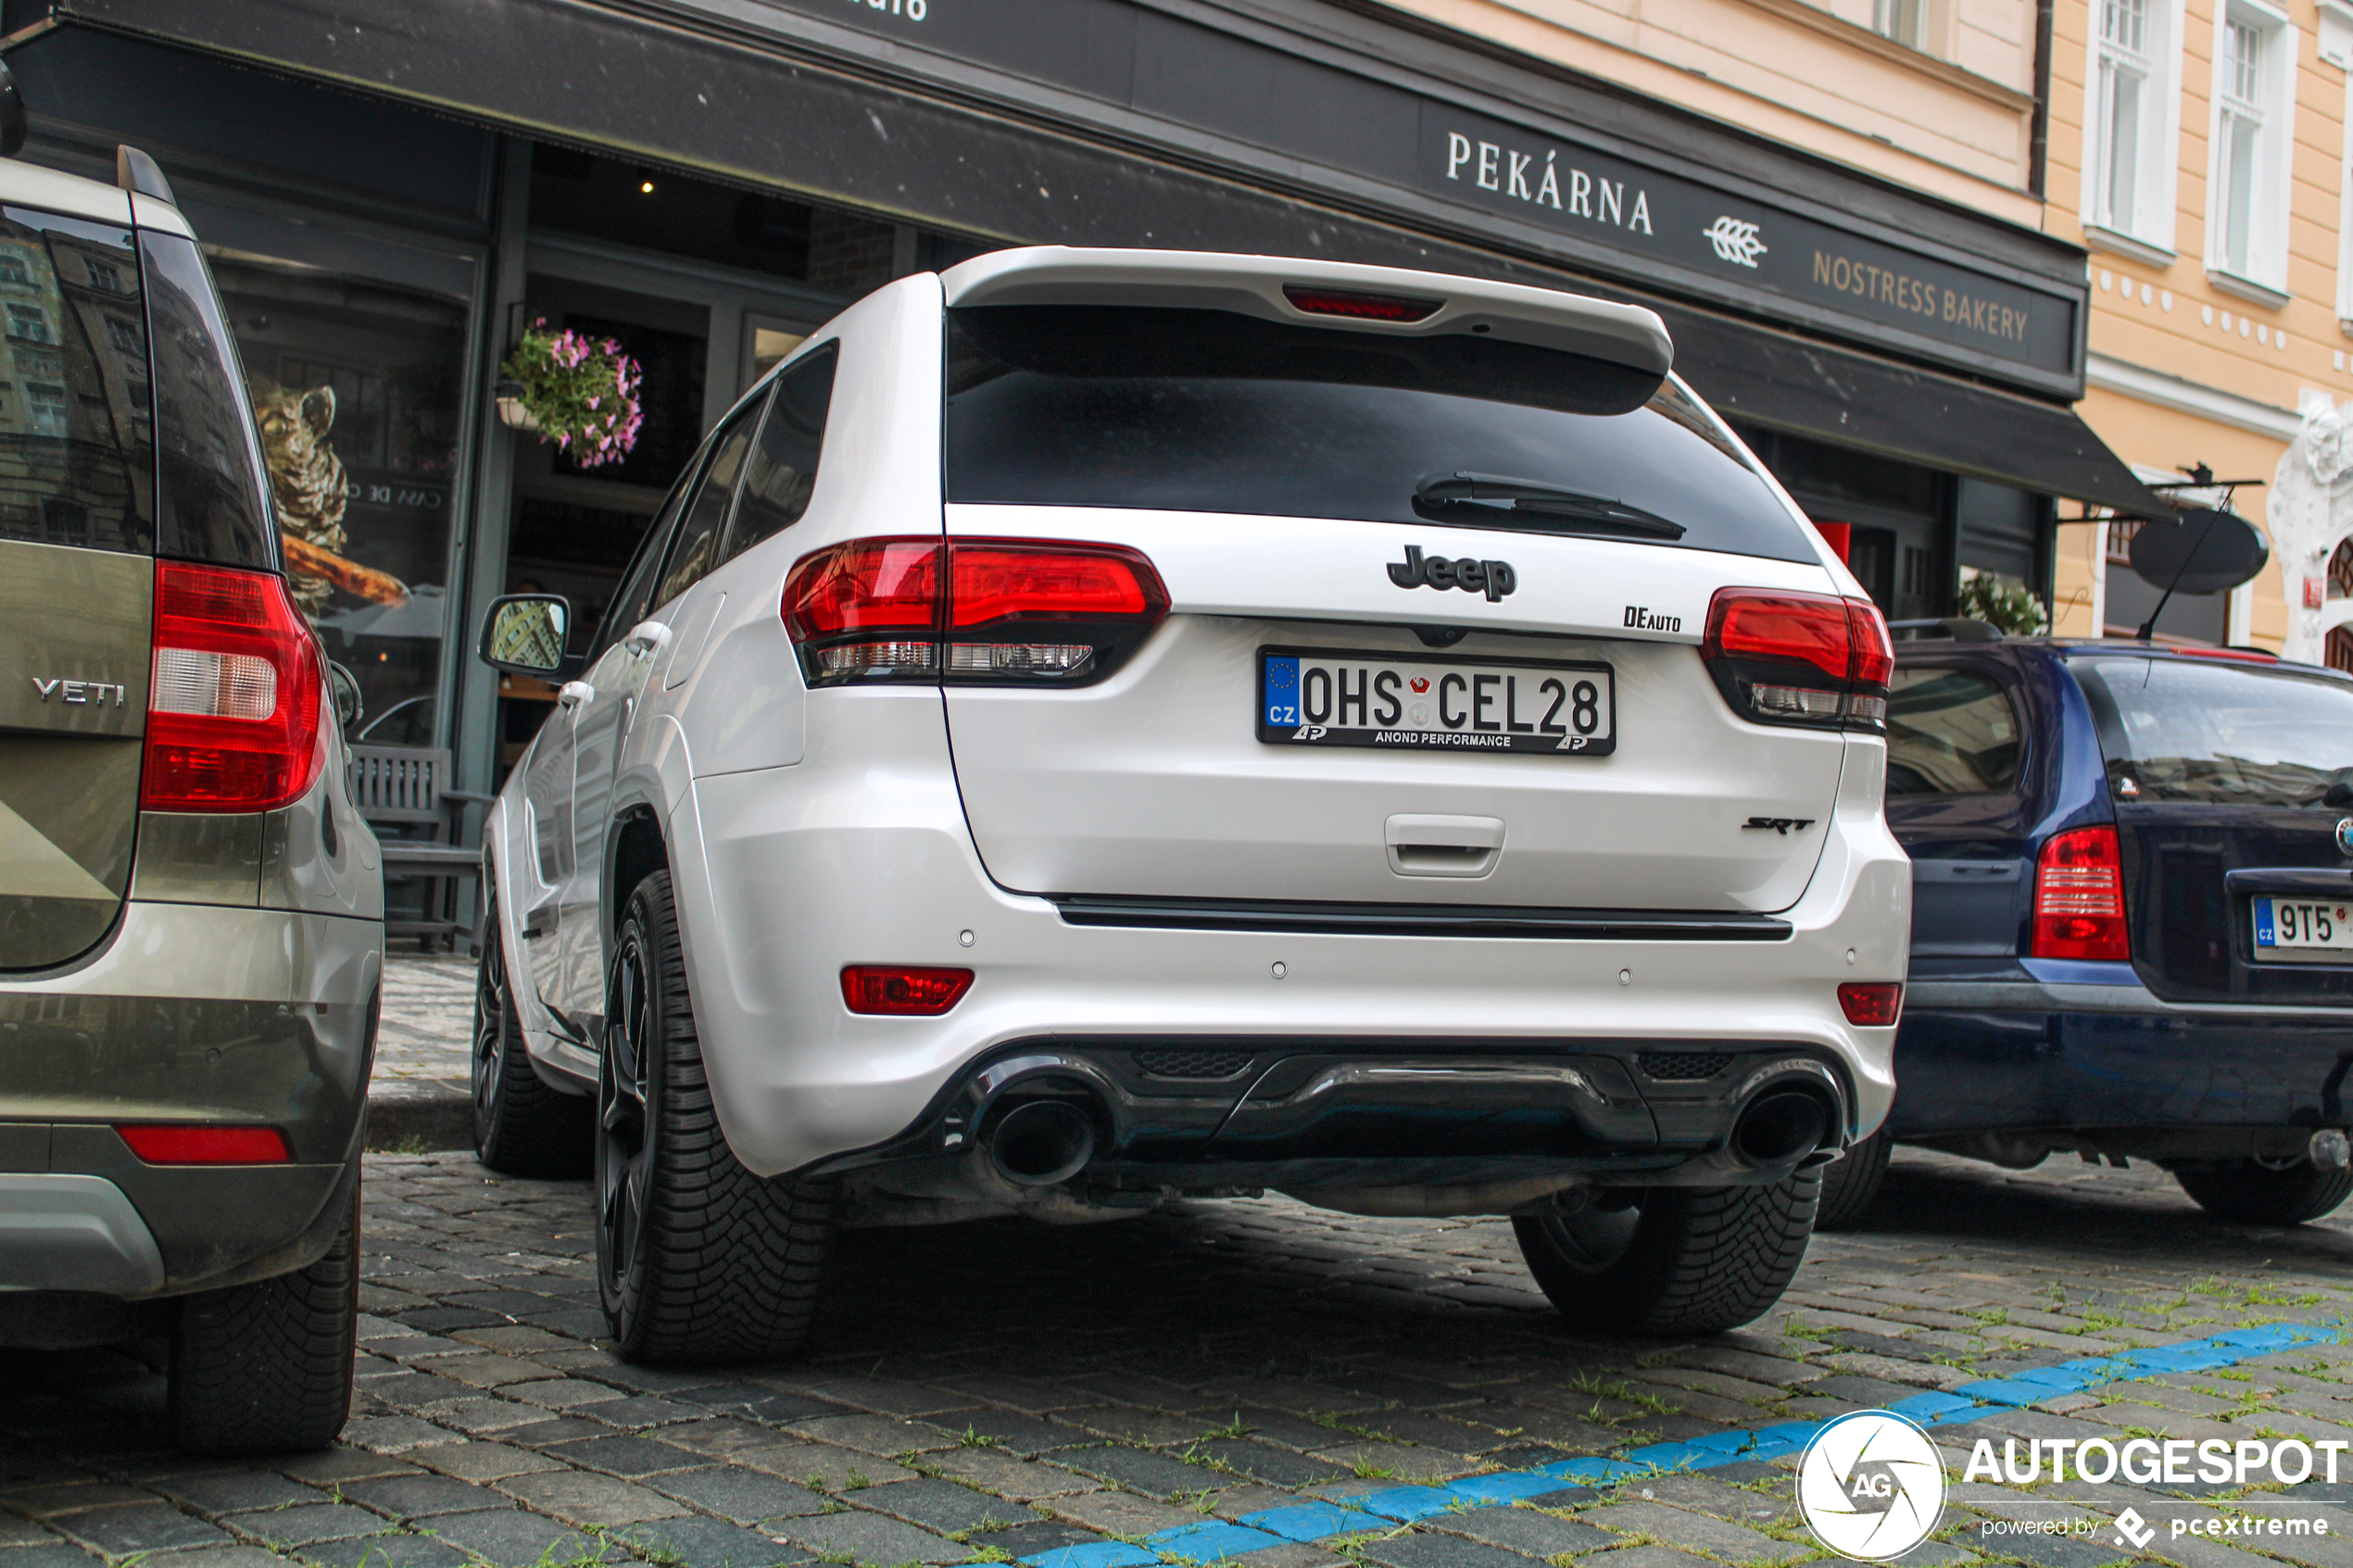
[
  {"x": 2178, "y": 729},
  {"x": 1214, "y": 411}
]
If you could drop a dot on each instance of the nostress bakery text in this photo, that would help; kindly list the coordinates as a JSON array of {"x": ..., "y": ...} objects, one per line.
[{"x": 1884, "y": 285}]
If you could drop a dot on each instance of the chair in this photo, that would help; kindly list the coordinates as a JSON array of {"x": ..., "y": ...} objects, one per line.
[{"x": 405, "y": 789}]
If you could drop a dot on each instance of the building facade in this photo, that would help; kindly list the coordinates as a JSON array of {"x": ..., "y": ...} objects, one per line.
[
  {"x": 2198, "y": 150},
  {"x": 1835, "y": 208}
]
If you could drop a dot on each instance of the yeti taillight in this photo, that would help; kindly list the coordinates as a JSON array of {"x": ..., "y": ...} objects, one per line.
[{"x": 232, "y": 710}]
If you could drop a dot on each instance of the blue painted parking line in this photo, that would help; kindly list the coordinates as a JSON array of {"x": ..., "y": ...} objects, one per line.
[
  {"x": 1312, "y": 1521},
  {"x": 1315, "y": 1519},
  {"x": 1210, "y": 1540}
]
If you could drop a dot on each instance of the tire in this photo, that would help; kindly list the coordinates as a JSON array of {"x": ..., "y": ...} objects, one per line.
[
  {"x": 1850, "y": 1186},
  {"x": 2245, "y": 1192},
  {"x": 698, "y": 1260},
  {"x": 264, "y": 1368},
  {"x": 1684, "y": 1260},
  {"x": 521, "y": 1126}
]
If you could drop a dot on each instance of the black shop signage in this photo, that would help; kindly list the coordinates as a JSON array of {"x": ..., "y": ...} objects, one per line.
[
  {"x": 1667, "y": 225},
  {"x": 1748, "y": 244}
]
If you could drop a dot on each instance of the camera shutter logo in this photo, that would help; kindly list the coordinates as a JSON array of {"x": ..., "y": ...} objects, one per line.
[{"x": 1871, "y": 1486}]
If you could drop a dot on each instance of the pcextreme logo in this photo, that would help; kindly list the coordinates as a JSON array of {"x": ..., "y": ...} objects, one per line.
[{"x": 1871, "y": 1486}]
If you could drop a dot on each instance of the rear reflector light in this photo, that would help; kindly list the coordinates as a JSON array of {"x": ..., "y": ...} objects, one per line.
[
  {"x": 1361, "y": 306},
  {"x": 2079, "y": 897},
  {"x": 1872, "y": 1004},
  {"x": 233, "y": 720},
  {"x": 883, "y": 610},
  {"x": 179, "y": 1144},
  {"x": 897, "y": 992},
  {"x": 1787, "y": 658}
]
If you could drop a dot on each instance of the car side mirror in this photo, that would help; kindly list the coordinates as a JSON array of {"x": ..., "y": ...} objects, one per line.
[
  {"x": 344, "y": 686},
  {"x": 523, "y": 633}
]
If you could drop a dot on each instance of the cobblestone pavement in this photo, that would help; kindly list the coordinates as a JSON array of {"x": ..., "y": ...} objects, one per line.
[{"x": 1002, "y": 1390}]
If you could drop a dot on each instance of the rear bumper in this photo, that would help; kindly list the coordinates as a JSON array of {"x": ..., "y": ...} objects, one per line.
[
  {"x": 2113, "y": 1061},
  {"x": 785, "y": 875},
  {"x": 193, "y": 1013},
  {"x": 1335, "y": 1114}
]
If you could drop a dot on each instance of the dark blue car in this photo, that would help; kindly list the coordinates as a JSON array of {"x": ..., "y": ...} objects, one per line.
[{"x": 2131, "y": 919}]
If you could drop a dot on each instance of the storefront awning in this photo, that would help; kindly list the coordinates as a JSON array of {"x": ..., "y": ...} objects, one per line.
[{"x": 1806, "y": 388}]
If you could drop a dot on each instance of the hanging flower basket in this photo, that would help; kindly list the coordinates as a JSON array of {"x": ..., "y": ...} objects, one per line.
[{"x": 578, "y": 393}]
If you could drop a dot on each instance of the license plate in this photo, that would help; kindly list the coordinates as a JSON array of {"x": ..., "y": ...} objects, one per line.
[
  {"x": 1329, "y": 696},
  {"x": 2286, "y": 926}
]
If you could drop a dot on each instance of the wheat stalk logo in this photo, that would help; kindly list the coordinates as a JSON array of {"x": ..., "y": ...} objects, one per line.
[{"x": 1735, "y": 241}]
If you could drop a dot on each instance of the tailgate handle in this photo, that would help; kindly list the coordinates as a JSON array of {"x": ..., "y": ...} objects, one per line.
[{"x": 1433, "y": 846}]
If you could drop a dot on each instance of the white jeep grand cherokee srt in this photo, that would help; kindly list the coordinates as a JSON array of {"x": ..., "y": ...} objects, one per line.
[{"x": 1099, "y": 726}]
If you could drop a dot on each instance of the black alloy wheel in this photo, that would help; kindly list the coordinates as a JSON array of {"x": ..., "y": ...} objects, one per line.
[
  {"x": 521, "y": 1127},
  {"x": 625, "y": 1137},
  {"x": 698, "y": 1258}
]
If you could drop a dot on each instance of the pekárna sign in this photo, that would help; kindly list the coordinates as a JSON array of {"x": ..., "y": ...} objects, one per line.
[{"x": 1740, "y": 241}]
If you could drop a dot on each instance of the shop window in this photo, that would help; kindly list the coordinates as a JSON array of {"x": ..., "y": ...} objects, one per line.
[
  {"x": 355, "y": 387},
  {"x": 2247, "y": 174},
  {"x": 1949, "y": 732},
  {"x": 2128, "y": 126},
  {"x": 76, "y": 466}
]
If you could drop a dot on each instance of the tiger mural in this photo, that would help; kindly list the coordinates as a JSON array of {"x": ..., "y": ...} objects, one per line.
[{"x": 309, "y": 492}]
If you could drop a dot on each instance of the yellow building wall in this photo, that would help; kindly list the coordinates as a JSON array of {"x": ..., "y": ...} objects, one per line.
[{"x": 2170, "y": 318}]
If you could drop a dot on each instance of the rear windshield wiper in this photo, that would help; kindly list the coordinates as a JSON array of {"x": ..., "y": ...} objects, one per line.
[{"x": 1578, "y": 508}]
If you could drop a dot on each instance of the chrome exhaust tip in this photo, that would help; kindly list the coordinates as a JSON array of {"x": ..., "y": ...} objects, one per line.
[{"x": 1040, "y": 1142}]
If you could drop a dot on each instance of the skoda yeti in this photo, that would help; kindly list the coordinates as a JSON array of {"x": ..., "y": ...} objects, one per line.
[
  {"x": 191, "y": 912},
  {"x": 1096, "y": 727}
]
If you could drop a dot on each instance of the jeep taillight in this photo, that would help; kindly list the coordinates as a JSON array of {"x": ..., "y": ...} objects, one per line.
[
  {"x": 1003, "y": 612},
  {"x": 232, "y": 713},
  {"x": 2079, "y": 897},
  {"x": 1780, "y": 656}
]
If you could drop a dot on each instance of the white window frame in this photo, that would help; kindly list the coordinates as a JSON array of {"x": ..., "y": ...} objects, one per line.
[
  {"x": 2337, "y": 49},
  {"x": 2271, "y": 186},
  {"x": 2157, "y": 168}
]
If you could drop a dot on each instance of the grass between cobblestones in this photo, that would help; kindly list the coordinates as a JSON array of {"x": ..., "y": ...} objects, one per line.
[{"x": 1254, "y": 1383}]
